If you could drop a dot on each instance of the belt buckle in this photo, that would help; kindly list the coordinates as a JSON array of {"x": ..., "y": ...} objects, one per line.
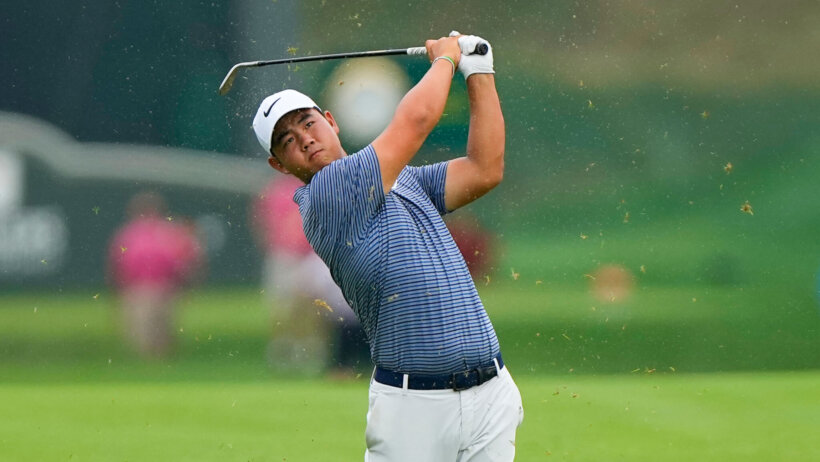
[{"x": 466, "y": 386}]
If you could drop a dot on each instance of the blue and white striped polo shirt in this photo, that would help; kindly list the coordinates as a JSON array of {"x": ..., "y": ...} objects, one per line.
[{"x": 397, "y": 265}]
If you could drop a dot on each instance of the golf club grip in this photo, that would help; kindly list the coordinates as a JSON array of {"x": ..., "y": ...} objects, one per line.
[{"x": 481, "y": 49}]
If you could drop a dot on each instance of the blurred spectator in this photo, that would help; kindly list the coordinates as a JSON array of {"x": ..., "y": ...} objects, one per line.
[
  {"x": 475, "y": 243},
  {"x": 150, "y": 258},
  {"x": 612, "y": 283},
  {"x": 313, "y": 326}
]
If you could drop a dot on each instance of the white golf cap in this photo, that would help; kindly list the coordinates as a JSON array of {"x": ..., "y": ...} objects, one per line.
[{"x": 273, "y": 108}]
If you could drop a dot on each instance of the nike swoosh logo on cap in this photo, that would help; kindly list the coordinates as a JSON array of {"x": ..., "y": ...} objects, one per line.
[{"x": 271, "y": 107}]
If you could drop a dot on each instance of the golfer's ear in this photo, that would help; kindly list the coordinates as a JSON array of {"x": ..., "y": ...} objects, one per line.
[
  {"x": 276, "y": 165},
  {"x": 331, "y": 121}
]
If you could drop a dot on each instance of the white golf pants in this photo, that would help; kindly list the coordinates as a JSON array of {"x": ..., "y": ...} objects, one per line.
[{"x": 474, "y": 425}]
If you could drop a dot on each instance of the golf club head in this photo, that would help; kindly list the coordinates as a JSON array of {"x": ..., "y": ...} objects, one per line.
[{"x": 227, "y": 82}]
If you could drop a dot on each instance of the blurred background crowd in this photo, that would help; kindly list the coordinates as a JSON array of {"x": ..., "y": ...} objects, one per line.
[{"x": 660, "y": 197}]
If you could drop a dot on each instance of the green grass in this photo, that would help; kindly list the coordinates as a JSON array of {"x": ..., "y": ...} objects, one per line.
[
  {"x": 705, "y": 417},
  {"x": 601, "y": 381}
]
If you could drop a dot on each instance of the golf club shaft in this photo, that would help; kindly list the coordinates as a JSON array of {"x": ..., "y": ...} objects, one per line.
[
  {"x": 416, "y": 51},
  {"x": 227, "y": 82}
]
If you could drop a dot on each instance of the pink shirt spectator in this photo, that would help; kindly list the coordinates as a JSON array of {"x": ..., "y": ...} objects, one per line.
[
  {"x": 277, "y": 220},
  {"x": 151, "y": 250}
]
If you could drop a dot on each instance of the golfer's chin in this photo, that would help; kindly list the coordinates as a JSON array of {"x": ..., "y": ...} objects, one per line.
[
  {"x": 316, "y": 155},
  {"x": 321, "y": 159}
]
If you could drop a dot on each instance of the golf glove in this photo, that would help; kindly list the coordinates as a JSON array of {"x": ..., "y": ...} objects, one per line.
[{"x": 470, "y": 63}]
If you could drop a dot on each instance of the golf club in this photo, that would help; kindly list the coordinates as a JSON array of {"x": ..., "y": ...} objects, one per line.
[{"x": 227, "y": 82}]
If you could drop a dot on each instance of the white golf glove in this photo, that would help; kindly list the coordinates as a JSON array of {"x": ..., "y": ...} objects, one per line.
[{"x": 470, "y": 63}]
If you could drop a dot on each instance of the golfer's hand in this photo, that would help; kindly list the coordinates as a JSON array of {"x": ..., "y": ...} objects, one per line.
[
  {"x": 470, "y": 63},
  {"x": 445, "y": 46}
]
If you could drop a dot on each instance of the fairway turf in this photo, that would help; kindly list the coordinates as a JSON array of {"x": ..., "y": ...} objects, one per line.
[
  {"x": 70, "y": 390},
  {"x": 641, "y": 417}
]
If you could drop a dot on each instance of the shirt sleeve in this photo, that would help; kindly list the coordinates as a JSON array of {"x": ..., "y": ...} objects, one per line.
[
  {"x": 432, "y": 179},
  {"x": 345, "y": 196}
]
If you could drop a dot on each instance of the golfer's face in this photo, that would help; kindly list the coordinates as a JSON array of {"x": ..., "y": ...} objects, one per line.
[{"x": 305, "y": 141}]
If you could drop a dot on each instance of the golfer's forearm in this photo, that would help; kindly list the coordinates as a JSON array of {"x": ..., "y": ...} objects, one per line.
[
  {"x": 423, "y": 105},
  {"x": 485, "y": 141},
  {"x": 417, "y": 115}
]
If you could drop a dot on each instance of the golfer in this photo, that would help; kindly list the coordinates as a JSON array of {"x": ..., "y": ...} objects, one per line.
[{"x": 440, "y": 390}]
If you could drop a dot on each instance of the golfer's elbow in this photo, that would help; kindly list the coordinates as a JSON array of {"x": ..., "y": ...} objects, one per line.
[
  {"x": 488, "y": 175},
  {"x": 495, "y": 174}
]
